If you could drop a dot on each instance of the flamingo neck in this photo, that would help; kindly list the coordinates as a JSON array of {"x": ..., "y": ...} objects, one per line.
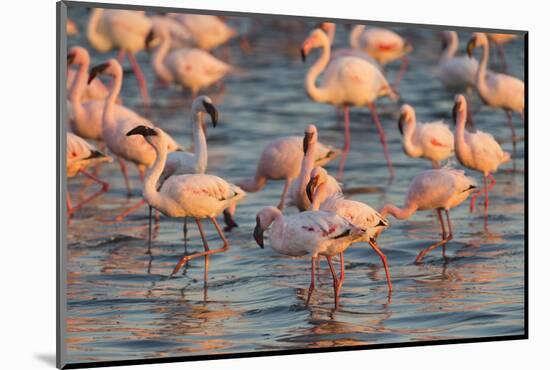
[
  {"x": 460, "y": 142},
  {"x": 79, "y": 83},
  {"x": 399, "y": 213},
  {"x": 150, "y": 192},
  {"x": 91, "y": 31},
  {"x": 305, "y": 173},
  {"x": 482, "y": 70},
  {"x": 319, "y": 196},
  {"x": 158, "y": 60},
  {"x": 199, "y": 143},
  {"x": 452, "y": 46},
  {"x": 315, "y": 93},
  {"x": 109, "y": 110},
  {"x": 354, "y": 36},
  {"x": 410, "y": 145},
  {"x": 255, "y": 184}
]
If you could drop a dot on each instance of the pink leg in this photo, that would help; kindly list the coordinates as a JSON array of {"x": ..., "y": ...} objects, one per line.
[
  {"x": 511, "y": 124},
  {"x": 493, "y": 181},
  {"x": 347, "y": 143},
  {"x": 281, "y": 205},
  {"x": 384, "y": 262},
  {"x": 140, "y": 78},
  {"x": 124, "y": 171},
  {"x": 401, "y": 73},
  {"x": 372, "y": 108},
  {"x": 441, "y": 242},
  {"x": 104, "y": 189},
  {"x": 123, "y": 215},
  {"x": 342, "y": 271},
  {"x": 312, "y": 284},
  {"x": 120, "y": 56},
  {"x": 335, "y": 282},
  {"x": 443, "y": 232},
  {"x": 486, "y": 197}
]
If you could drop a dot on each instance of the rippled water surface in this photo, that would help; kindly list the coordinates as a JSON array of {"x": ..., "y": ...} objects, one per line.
[{"x": 121, "y": 306}]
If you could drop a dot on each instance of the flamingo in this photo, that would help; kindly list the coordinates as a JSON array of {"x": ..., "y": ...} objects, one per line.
[
  {"x": 317, "y": 233},
  {"x": 383, "y": 45},
  {"x": 207, "y": 31},
  {"x": 179, "y": 35},
  {"x": 196, "y": 195},
  {"x": 191, "y": 68},
  {"x": 440, "y": 189},
  {"x": 499, "y": 39},
  {"x": 94, "y": 91},
  {"x": 497, "y": 90},
  {"x": 115, "y": 126},
  {"x": 297, "y": 192},
  {"x": 433, "y": 141},
  {"x": 125, "y": 30},
  {"x": 347, "y": 81},
  {"x": 456, "y": 73},
  {"x": 359, "y": 214},
  {"x": 81, "y": 155},
  {"x": 71, "y": 28},
  {"x": 476, "y": 150}
]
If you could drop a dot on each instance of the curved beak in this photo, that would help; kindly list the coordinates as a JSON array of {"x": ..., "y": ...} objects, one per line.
[
  {"x": 307, "y": 139},
  {"x": 400, "y": 123},
  {"x": 303, "y": 54},
  {"x": 150, "y": 37},
  {"x": 142, "y": 130},
  {"x": 70, "y": 58},
  {"x": 97, "y": 70},
  {"x": 310, "y": 188},
  {"x": 455, "y": 112},
  {"x": 470, "y": 47},
  {"x": 212, "y": 111},
  {"x": 306, "y": 47},
  {"x": 259, "y": 234}
]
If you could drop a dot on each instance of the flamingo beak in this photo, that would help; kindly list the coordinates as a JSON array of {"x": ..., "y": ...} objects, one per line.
[
  {"x": 259, "y": 234},
  {"x": 142, "y": 130},
  {"x": 470, "y": 47},
  {"x": 97, "y": 70},
  {"x": 307, "y": 139},
  {"x": 306, "y": 47},
  {"x": 456, "y": 108},
  {"x": 70, "y": 58},
  {"x": 150, "y": 37},
  {"x": 310, "y": 188},
  {"x": 212, "y": 111},
  {"x": 401, "y": 122}
]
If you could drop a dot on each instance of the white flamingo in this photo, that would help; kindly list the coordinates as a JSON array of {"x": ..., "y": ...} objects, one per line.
[
  {"x": 457, "y": 73},
  {"x": 476, "y": 150},
  {"x": 125, "y": 30},
  {"x": 198, "y": 195},
  {"x": 316, "y": 233},
  {"x": 323, "y": 198},
  {"x": 497, "y": 90},
  {"x": 207, "y": 31},
  {"x": 433, "y": 140},
  {"x": 191, "y": 68},
  {"x": 115, "y": 126},
  {"x": 81, "y": 155},
  {"x": 347, "y": 81},
  {"x": 297, "y": 191},
  {"x": 440, "y": 189}
]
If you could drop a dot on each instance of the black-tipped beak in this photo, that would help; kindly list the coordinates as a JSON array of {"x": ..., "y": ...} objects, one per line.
[
  {"x": 150, "y": 37},
  {"x": 307, "y": 139},
  {"x": 259, "y": 234},
  {"x": 142, "y": 130},
  {"x": 470, "y": 48},
  {"x": 97, "y": 70},
  {"x": 400, "y": 123},
  {"x": 310, "y": 188},
  {"x": 70, "y": 58},
  {"x": 304, "y": 55},
  {"x": 455, "y": 112},
  {"x": 212, "y": 111}
]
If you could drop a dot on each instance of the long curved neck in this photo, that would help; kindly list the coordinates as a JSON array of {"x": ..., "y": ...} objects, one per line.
[
  {"x": 91, "y": 31},
  {"x": 409, "y": 144},
  {"x": 109, "y": 110},
  {"x": 150, "y": 192},
  {"x": 482, "y": 70},
  {"x": 315, "y": 93},
  {"x": 319, "y": 196},
  {"x": 460, "y": 142},
  {"x": 158, "y": 60},
  {"x": 307, "y": 166},
  {"x": 399, "y": 213},
  {"x": 79, "y": 83},
  {"x": 199, "y": 142},
  {"x": 354, "y": 36},
  {"x": 452, "y": 46}
]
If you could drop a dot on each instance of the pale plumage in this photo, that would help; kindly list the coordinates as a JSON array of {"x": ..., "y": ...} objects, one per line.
[
  {"x": 179, "y": 35},
  {"x": 456, "y": 72},
  {"x": 433, "y": 140},
  {"x": 382, "y": 44},
  {"x": 207, "y": 31}
]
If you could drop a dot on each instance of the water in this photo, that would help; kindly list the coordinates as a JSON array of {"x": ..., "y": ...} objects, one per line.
[{"x": 121, "y": 306}]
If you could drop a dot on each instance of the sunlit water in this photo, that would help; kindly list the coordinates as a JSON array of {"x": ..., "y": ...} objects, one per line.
[{"x": 121, "y": 306}]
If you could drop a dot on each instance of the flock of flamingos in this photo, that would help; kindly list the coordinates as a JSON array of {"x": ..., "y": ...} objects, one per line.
[{"x": 176, "y": 182}]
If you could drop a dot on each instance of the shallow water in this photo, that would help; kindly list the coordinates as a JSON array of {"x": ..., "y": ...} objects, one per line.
[{"x": 121, "y": 306}]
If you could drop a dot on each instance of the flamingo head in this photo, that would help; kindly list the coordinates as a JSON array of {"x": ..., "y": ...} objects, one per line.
[
  {"x": 203, "y": 104},
  {"x": 111, "y": 68},
  {"x": 478, "y": 39},
  {"x": 310, "y": 136},
  {"x": 157, "y": 33},
  {"x": 327, "y": 27},
  {"x": 459, "y": 107},
  {"x": 153, "y": 136},
  {"x": 264, "y": 219},
  {"x": 406, "y": 118},
  {"x": 77, "y": 55},
  {"x": 318, "y": 176},
  {"x": 316, "y": 39}
]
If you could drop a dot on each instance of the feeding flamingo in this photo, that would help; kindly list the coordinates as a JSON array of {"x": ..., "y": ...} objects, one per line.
[
  {"x": 347, "y": 81},
  {"x": 433, "y": 140},
  {"x": 323, "y": 198},
  {"x": 316, "y": 233},
  {"x": 191, "y": 68},
  {"x": 81, "y": 155},
  {"x": 199, "y": 196},
  {"x": 297, "y": 191},
  {"x": 115, "y": 126},
  {"x": 439, "y": 189},
  {"x": 207, "y": 31},
  {"x": 476, "y": 150},
  {"x": 497, "y": 90},
  {"x": 125, "y": 30}
]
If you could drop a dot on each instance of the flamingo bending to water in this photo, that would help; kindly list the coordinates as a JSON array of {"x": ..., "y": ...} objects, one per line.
[
  {"x": 316, "y": 233},
  {"x": 359, "y": 214},
  {"x": 125, "y": 30},
  {"x": 81, "y": 155},
  {"x": 199, "y": 196},
  {"x": 433, "y": 140},
  {"x": 440, "y": 189},
  {"x": 207, "y": 31},
  {"x": 476, "y": 150},
  {"x": 347, "y": 81}
]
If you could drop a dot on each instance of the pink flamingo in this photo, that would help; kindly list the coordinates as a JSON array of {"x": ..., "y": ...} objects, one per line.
[
  {"x": 477, "y": 150},
  {"x": 199, "y": 196},
  {"x": 81, "y": 155},
  {"x": 115, "y": 126},
  {"x": 316, "y": 233},
  {"x": 94, "y": 91},
  {"x": 440, "y": 189},
  {"x": 347, "y": 81},
  {"x": 122, "y": 29},
  {"x": 71, "y": 28},
  {"x": 323, "y": 198},
  {"x": 206, "y": 31}
]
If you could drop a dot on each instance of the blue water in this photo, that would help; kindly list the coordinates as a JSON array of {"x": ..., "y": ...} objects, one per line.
[{"x": 120, "y": 305}]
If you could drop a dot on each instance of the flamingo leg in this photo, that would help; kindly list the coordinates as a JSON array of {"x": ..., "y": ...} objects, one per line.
[
  {"x": 140, "y": 78},
  {"x": 104, "y": 189},
  {"x": 493, "y": 181},
  {"x": 342, "y": 271},
  {"x": 228, "y": 217},
  {"x": 129, "y": 210},
  {"x": 312, "y": 283},
  {"x": 124, "y": 171},
  {"x": 207, "y": 250},
  {"x": 150, "y": 229},
  {"x": 401, "y": 73},
  {"x": 185, "y": 231},
  {"x": 384, "y": 262},
  {"x": 441, "y": 242},
  {"x": 335, "y": 282},
  {"x": 372, "y": 108},
  {"x": 486, "y": 197},
  {"x": 502, "y": 56},
  {"x": 281, "y": 205},
  {"x": 511, "y": 124},
  {"x": 120, "y": 56},
  {"x": 443, "y": 232},
  {"x": 347, "y": 143}
]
